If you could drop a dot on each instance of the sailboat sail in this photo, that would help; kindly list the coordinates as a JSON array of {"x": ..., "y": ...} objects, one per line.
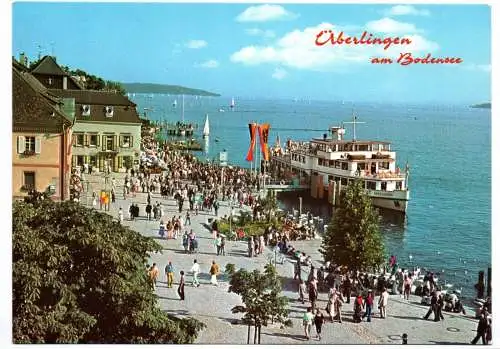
[
  {"x": 175, "y": 103},
  {"x": 232, "y": 102},
  {"x": 206, "y": 128}
]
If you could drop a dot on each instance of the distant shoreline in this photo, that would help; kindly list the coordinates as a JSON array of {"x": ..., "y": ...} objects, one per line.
[
  {"x": 137, "y": 87},
  {"x": 482, "y": 105}
]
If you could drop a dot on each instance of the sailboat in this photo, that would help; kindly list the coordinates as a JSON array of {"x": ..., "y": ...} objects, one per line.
[
  {"x": 206, "y": 128},
  {"x": 232, "y": 103},
  {"x": 175, "y": 103}
]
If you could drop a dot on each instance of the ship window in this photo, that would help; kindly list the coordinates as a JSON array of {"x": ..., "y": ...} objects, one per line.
[
  {"x": 363, "y": 147},
  {"x": 337, "y": 179},
  {"x": 384, "y": 186},
  {"x": 371, "y": 185},
  {"x": 330, "y": 178},
  {"x": 361, "y": 165},
  {"x": 343, "y": 181},
  {"x": 399, "y": 185},
  {"x": 331, "y": 163},
  {"x": 345, "y": 166},
  {"x": 337, "y": 164},
  {"x": 384, "y": 165}
]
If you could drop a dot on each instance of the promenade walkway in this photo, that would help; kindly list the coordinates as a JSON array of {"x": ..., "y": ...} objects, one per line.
[{"x": 212, "y": 304}]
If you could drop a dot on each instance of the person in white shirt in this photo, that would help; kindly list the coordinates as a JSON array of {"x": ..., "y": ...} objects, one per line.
[
  {"x": 195, "y": 269},
  {"x": 120, "y": 215},
  {"x": 382, "y": 303}
]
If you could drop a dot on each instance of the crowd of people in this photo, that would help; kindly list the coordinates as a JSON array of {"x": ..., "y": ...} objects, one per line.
[{"x": 199, "y": 187}]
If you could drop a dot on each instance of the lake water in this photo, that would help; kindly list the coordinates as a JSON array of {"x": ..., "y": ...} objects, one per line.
[{"x": 448, "y": 148}]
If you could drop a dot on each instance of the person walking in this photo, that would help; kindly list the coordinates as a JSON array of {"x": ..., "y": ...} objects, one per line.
[
  {"x": 313, "y": 293},
  {"x": 222, "y": 246},
  {"x": 382, "y": 303},
  {"x": 148, "y": 211},
  {"x": 319, "y": 320},
  {"x": 153, "y": 275},
  {"x": 188, "y": 218},
  {"x": 218, "y": 242},
  {"x": 302, "y": 291},
  {"x": 120, "y": 215},
  {"x": 307, "y": 322},
  {"x": 482, "y": 328},
  {"x": 180, "y": 289},
  {"x": 297, "y": 271},
  {"x": 214, "y": 271},
  {"x": 439, "y": 306},
  {"x": 169, "y": 271},
  {"x": 432, "y": 308},
  {"x": 407, "y": 287},
  {"x": 347, "y": 288},
  {"x": 368, "y": 306},
  {"x": 195, "y": 269}
]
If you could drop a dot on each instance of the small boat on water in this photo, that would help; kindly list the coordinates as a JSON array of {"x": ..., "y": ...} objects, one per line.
[
  {"x": 206, "y": 128},
  {"x": 232, "y": 103},
  {"x": 221, "y": 110},
  {"x": 175, "y": 103}
]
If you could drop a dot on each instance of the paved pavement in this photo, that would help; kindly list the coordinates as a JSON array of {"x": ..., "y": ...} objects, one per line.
[{"x": 212, "y": 304}]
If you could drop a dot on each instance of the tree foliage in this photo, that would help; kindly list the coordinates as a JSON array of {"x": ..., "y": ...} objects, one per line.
[
  {"x": 353, "y": 237},
  {"x": 80, "y": 277},
  {"x": 261, "y": 296}
]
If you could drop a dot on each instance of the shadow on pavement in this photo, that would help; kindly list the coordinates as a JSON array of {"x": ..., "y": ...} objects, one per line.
[
  {"x": 408, "y": 317},
  {"x": 292, "y": 336}
]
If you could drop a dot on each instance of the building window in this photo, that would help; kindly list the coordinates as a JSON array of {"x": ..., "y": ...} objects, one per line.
[
  {"x": 383, "y": 165},
  {"x": 109, "y": 142},
  {"x": 126, "y": 141},
  {"x": 127, "y": 162},
  {"x": 29, "y": 144},
  {"x": 80, "y": 139},
  {"x": 343, "y": 181},
  {"x": 371, "y": 185},
  {"x": 93, "y": 161},
  {"x": 384, "y": 185},
  {"x": 93, "y": 140},
  {"x": 345, "y": 166},
  {"x": 361, "y": 166},
  {"x": 29, "y": 180}
]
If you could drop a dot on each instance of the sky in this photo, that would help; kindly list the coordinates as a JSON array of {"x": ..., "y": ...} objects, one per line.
[{"x": 266, "y": 50}]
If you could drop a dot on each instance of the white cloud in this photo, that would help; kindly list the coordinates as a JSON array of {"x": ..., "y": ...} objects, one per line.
[
  {"x": 402, "y": 10},
  {"x": 390, "y": 26},
  {"x": 263, "y": 13},
  {"x": 297, "y": 49},
  {"x": 260, "y": 32},
  {"x": 279, "y": 74},
  {"x": 211, "y": 63},
  {"x": 478, "y": 67},
  {"x": 195, "y": 44}
]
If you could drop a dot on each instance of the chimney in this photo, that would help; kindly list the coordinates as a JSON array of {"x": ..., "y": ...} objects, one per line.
[{"x": 23, "y": 59}]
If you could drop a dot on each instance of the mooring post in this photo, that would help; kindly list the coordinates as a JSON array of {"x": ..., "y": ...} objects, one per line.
[
  {"x": 488, "y": 290},
  {"x": 480, "y": 285}
]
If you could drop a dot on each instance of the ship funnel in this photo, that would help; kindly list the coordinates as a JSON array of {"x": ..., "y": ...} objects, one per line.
[{"x": 338, "y": 131}]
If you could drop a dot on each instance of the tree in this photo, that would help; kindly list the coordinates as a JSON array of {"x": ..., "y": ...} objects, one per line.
[
  {"x": 260, "y": 293},
  {"x": 80, "y": 277},
  {"x": 353, "y": 237}
]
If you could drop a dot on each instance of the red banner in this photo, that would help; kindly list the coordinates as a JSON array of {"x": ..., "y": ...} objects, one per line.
[
  {"x": 253, "y": 129},
  {"x": 264, "y": 139}
]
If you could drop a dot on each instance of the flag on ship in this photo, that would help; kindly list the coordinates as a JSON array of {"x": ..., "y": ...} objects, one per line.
[
  {"x": 252, "y": 128},
  {"x": 264, "y": 138}
]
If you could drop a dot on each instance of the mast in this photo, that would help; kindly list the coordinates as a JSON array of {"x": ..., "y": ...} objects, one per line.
[
  {"x": 354, "y": 122},
  {"x": 182, "y": 108}
]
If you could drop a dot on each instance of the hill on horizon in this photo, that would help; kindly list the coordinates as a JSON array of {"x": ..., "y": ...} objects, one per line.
[
  {"x": 137, "y": 87},
  {"x": 482, "y": 105}
]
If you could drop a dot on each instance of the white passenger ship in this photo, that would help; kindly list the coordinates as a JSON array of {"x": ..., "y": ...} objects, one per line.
[{"x": 328, "y": 164}]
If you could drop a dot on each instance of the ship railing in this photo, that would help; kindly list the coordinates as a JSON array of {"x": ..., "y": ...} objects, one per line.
[{"x": 383, "y": 175}]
